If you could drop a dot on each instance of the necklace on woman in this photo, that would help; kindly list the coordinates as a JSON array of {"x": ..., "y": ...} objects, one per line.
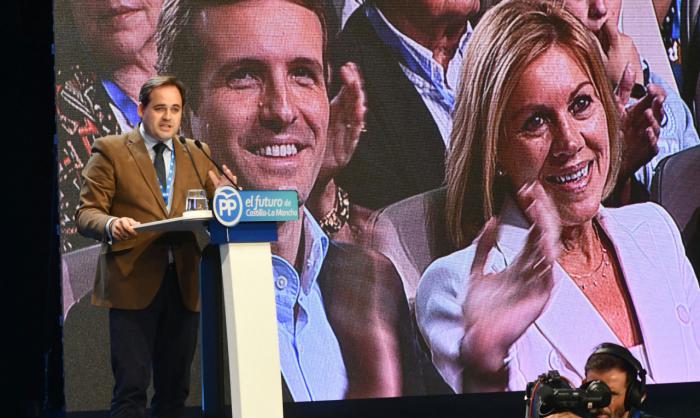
[{"x": 587, "y": 280}]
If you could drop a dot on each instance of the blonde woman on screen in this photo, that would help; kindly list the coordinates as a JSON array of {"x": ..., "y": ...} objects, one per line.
[{"x": 552, "y": 274}]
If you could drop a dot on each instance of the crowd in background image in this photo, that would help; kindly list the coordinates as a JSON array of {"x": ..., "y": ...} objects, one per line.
[{"x": 473, "y": 177}]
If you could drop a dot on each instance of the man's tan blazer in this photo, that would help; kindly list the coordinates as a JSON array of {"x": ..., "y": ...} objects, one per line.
[{"x": 120, "y": 180}]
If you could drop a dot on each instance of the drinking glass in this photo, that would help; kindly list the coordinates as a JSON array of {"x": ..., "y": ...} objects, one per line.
[{"x": 196, "y": 200}]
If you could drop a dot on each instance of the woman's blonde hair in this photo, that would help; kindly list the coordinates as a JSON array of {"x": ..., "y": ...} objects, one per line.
[{"x": 508, "y": 38}]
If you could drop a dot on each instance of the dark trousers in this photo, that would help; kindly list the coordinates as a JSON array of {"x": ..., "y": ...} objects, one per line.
[{"x": 161, "y": 337}]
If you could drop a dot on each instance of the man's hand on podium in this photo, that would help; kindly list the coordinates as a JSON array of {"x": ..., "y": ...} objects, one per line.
[
  {"x": 123, "y": 228},
  {"x": 221, "y": 180}
]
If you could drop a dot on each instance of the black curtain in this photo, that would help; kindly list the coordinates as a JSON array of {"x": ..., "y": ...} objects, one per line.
[{"x": 32, "y": 359}]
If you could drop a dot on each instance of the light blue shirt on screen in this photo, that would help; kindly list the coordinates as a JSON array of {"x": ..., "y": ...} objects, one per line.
[
  {"x": 310, "y": 357},
  {"x": 126, "y": 107},
  {"x": 435, "y": 87}
]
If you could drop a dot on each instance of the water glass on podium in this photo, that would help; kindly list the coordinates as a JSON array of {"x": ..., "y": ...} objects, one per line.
[{"x": 196, "y": 200}]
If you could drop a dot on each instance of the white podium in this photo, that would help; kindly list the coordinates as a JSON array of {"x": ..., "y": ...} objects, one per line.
[{"x": 239, "y": 274}]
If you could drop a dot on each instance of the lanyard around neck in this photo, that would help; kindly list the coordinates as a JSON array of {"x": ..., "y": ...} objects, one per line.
[{"x": 165, "y": 188}]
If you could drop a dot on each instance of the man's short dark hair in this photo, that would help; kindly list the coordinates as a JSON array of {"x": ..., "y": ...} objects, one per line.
[
  {"x": 160, "y": 81},
  {"x": 605, "y": 361},
  {"x": 180, "y": 53}
]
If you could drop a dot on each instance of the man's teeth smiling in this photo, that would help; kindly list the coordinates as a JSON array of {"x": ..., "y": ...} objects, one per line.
[
  {"x": 285, "y": 150},
  {"x": 571, "y": 177}
]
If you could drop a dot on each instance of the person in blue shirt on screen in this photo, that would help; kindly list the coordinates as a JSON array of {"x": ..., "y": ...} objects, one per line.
[{"x": 257, "y": 74}]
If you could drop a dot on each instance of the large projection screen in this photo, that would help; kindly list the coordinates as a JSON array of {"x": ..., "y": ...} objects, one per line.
[{"x": 388, "y": 337}]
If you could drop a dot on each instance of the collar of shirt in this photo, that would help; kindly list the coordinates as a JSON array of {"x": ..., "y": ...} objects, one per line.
[
  {"x": 418, "y": 59},
  {"x": 151, "y": 141},
  {"x": 314, "y": 257},
  {"x": 124, "y": 103}
]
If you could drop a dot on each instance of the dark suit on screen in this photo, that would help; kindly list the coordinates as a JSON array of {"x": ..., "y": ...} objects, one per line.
[
  {"x": 368, "y": 311},
  {"x": 402, "y": 153}
]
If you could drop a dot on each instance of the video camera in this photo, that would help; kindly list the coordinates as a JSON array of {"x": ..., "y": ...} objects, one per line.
[{"x": 552, "y": 393}]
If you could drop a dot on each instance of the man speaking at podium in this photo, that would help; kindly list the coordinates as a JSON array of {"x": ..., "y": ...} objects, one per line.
[{"x": 148, "y": 280}]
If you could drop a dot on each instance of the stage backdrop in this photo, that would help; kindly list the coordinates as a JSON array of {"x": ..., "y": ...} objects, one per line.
[{"x": 106, "y": 49}]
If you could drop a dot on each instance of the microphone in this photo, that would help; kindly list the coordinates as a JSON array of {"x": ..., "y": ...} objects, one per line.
[
  {"x": 198, "y": 143},
  {"x": 184, "y": 142}
]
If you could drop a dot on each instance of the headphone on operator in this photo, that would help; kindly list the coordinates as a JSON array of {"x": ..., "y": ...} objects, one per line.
[{"x": 636, "y": 388}]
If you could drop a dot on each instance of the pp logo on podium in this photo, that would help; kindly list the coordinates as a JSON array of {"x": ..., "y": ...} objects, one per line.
[{"x": 228, "y": 206}]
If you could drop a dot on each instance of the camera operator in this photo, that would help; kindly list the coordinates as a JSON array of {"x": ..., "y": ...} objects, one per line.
[{"x": 615, "y": 366}]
